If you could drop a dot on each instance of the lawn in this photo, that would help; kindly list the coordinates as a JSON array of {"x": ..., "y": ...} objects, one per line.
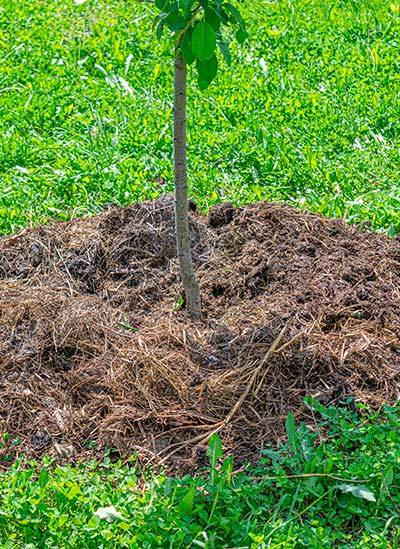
[{"x": 308, "y": 113}]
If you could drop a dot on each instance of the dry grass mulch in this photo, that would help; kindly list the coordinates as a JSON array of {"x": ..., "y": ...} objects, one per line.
[{"x": 95, "y": 351}]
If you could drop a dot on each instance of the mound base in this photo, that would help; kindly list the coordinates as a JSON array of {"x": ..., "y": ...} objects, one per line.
[{"x": 96, "y": 351}]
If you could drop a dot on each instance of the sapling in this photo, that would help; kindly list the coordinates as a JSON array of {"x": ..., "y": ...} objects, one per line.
[{"x": 196, "y": 28}]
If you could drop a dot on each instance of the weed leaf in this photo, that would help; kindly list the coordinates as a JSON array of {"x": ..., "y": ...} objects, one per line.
[
  {"x": 186, "y": 505},
  {"x": 214, "y": 451},
  {"x": 291, "y": 433}
]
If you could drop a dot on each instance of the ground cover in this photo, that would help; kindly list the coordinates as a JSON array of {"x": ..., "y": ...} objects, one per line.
[{"x": 351, "y": 502}]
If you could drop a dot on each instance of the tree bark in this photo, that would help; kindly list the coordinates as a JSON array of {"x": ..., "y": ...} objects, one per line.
[{"x": 188, "y": 276}]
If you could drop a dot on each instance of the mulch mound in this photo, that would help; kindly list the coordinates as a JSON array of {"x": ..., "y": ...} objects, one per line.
[{"x": 95, "y": 350}]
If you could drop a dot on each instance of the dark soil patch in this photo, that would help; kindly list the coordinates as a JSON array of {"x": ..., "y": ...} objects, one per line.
[{"x": 94, "y": 353}]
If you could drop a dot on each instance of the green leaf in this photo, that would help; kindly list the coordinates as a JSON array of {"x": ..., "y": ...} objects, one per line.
[
  {"x": 175, "y": 21},
  {"x": 358, "y": 491},
  {"x": 203, "y": 84},
  {"x": 179, "y": 303},
  {"x": 159, "y": 22},
  {"x": 212, "y": 18},
  {"x": 62, "y": 519},
  {"x": 214, "y": 450},
  {"x": 388, "y": 475},
  {"x": 161, "y": 4},
  {"x": 186, "y": 5},
  {"x": 227, "y": 469},
  {"x": 73, "y": 491},
  {"x": 43, "y": 478},
  {"x": 291, "y": 432},
  {"x": 207, "y": 71},
  {"x": 235, "y": 13},
  {"x": 127, "y": 326},
  {"x": 222, "y": 13},
  {"x": 186, "y": 47},
  {"x": 186, "y": 504},
  {"x": 242, "y": 36},
  {"x": 224, "y": 48},
  {"x": 204, "y": 41},
  {"x": 93, "y": 522}
]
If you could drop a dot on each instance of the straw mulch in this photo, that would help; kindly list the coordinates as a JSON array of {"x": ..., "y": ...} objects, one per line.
[{"x": 95, "y": 351}]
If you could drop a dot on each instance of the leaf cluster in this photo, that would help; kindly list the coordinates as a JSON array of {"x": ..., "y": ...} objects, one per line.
[{"x": 197, "y": 28}]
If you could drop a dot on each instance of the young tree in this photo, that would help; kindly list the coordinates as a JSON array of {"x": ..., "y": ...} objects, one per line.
[{"x": 196, "y": 27}]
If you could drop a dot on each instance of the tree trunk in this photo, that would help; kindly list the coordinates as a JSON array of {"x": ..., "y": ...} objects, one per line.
[{"x": 189, "y": 280}]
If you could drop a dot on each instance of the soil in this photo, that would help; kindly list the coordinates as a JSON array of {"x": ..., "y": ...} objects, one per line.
[{"x": 96, "y": 350}]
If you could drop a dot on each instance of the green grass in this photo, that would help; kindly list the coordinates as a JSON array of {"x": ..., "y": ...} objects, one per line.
[
  {"x": 353, "y": 503},
  {"x": 308, "y": 113}
]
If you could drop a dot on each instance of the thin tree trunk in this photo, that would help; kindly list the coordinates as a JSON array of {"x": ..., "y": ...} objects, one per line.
[{"x": 189, "y": 280}]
